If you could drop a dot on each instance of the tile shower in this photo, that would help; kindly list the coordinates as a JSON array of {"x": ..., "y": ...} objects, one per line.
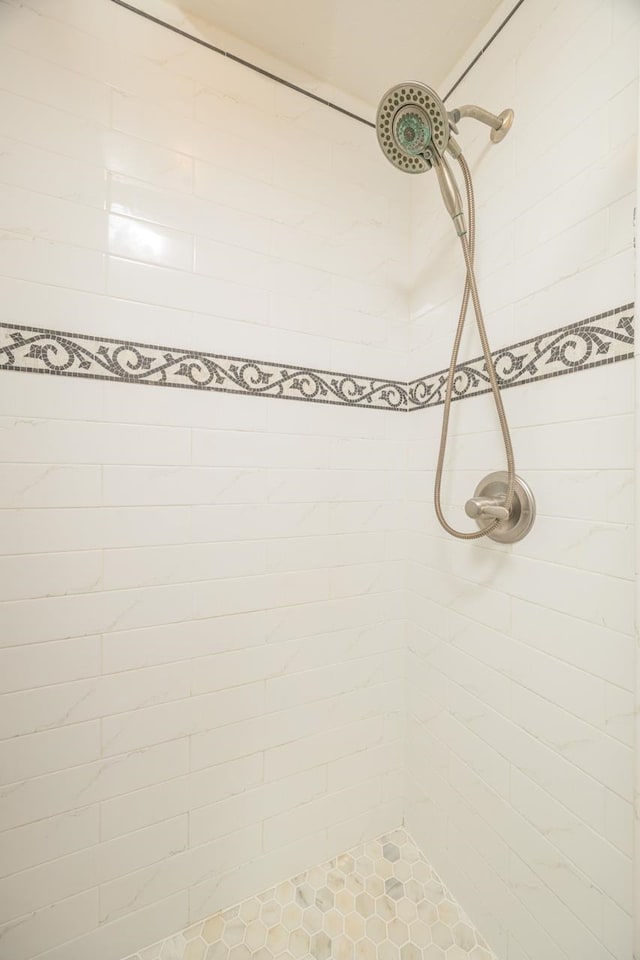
[
  {"x": 381, "y": 898},
  {"x": 241, "y": 671}
]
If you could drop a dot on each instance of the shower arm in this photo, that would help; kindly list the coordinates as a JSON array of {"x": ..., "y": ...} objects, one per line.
[{"x": 500, "y": 124}]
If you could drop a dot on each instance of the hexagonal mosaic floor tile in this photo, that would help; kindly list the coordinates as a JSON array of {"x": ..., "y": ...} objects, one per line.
[{"x": 380, "y": 901}]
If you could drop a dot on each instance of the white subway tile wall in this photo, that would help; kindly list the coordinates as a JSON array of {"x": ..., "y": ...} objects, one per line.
[
  {"x": 228, "y": 626},
  {"x": 520, "y": 669},
  {"x": 202, "y": 614}
]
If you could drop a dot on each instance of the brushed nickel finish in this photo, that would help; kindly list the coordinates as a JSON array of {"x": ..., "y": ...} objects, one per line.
[
  {"x": 500, "y": 124},
  {"x": 428, "y": 109},
  {"x": 499, "y": 133},
  {"x": 414, "y": 131},
  {"x": 487, "y": 505}
]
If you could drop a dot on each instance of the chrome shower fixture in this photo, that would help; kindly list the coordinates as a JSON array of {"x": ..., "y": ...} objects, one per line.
[{"x": 414, "y": 131}]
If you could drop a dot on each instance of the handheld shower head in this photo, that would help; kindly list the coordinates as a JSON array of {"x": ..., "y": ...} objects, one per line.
[
  {"x": 414, "y": 131},
  {"x": 412, "y": 126}
]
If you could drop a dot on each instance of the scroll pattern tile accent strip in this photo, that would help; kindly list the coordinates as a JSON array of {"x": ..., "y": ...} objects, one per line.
[
  {"x": 37, "y": 350},
  {"x": 604, "y": 338}
]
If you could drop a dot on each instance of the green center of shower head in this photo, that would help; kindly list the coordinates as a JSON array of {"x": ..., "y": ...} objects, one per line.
[{"x": 413, "y": 132}]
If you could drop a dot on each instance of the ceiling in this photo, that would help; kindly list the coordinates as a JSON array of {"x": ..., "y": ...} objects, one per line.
[{"x": 359, "y": 46}]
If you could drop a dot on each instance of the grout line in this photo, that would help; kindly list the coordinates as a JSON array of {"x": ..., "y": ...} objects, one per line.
[
  {"x": 464, "y": 835},
  {"x": 245, "y": 63},
  {"x": 427, "y": 659},
  {"x": 293, "y": 86},
  {"x": 483, "y": 50}
]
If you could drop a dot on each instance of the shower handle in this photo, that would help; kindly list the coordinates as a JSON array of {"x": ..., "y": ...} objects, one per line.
[{"x": 486, "y": 507}]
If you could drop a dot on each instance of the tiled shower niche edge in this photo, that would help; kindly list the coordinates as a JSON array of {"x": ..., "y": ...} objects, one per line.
[{"x": 601, "y": 339}]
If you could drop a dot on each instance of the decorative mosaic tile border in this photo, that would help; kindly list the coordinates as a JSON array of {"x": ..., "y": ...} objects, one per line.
[
  {"x": 38, "y": 350},
  {"x": 605, "y": 338},
  {"x": 380, "y": 901}
]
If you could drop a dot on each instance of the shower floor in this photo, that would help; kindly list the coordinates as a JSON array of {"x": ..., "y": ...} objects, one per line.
[{"x": 380, "y": 901}]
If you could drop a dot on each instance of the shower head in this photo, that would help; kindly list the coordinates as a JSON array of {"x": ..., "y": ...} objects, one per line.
[
  {"x": 412, "y": 126},
  {"x": 414, "y": 131}
]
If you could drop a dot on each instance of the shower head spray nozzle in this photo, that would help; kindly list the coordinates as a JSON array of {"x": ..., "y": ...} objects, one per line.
[{"x": 412, "y": 126}]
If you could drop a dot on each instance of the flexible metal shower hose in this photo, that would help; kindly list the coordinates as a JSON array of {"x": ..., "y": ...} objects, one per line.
[{"x": 471, "y": 291}]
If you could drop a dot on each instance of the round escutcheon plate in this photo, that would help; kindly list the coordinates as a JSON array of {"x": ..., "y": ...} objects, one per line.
[{"x": 523, "y": 511}]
